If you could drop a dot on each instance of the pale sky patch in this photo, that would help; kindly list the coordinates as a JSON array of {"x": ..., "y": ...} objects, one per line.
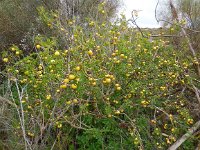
[{"x": 146, "y": 15}]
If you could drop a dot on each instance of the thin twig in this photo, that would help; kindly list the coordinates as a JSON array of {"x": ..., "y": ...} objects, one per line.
[{"x": 190, "y": 132}]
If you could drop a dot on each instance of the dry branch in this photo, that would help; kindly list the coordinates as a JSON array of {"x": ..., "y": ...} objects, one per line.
[
  {"x": 190, "y": 132},
  {"x": 2, "y": 99}
]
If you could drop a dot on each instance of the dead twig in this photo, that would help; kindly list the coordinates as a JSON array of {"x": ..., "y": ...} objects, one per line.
[
  {"x": 2, "y": 99},
  {"x": 190, "y": 132},
  {"x": 196, "y": 93}
]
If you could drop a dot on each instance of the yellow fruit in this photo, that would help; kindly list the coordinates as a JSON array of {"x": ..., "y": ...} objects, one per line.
[
  {"x": 57, "y": 53},
  {"x": 72, "y": 77},
  {"x": 113, "y": 54},
  {"x": 115, "y": 38},
  {"x": 29, "y": 107},
  {"x": 17, "y": 52},
  {"x": 107, "y": 75},
  {"x": 40, "y": 67},
  {"x": 30, "y": 134},
  {"x": 117, "y": 112},
  {"x": 190, "y": 121},
  {"x": 68, "y": 102},
  {"x": 94, "y": 83},
  {"x": 75, "y": 101},
  {"x": 91, "y": 23},
  {"x": 13, "y": 49},
  {"x": 66, "y": 80},
  {"x": 59, "y": 126},
  {"x": 74, "y": 86},
  {"x": 109, "y": 116},
  {"x": 118, "y": 88},
  {"x": 49, "y": 25},
  {"x": 70, "y": 23},
  {"x": 91, "y": 79},
  {"x": 78, "y": 68},
  {"x": 104, "y": 81},
  {"x": 108, "y": 80},
  {"x": 48, "y": 97},
  {"x": 122, "y": 55},
  {"x": 117, "y": 85},
  {"x": 5, "y": 60},
  {"x": 63, "y": 86},
  {"x": 90, "y": 52},
  {"x": 38, "y": 46},
  {"x": 52, "y": 61},
  {"x": 26, "y": 72}
]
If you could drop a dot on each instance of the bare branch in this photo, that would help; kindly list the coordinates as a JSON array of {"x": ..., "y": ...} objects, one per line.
[{"x": 190, "y": 132}]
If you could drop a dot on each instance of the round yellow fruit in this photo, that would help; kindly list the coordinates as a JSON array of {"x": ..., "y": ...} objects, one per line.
[
  {"x": 78, "y": 68},
  {"x": 108, "y": 80},
  {"x": 57, "y": 53},
  {"x": 17, "y": 52},
  {"x": 13, "y": 49},
  {"x": 90, "y": 52},
  {"x": 26, "y": 72},
  {"x": 117, "y": 85},
  {"x": 94, "y": 83},
  {"x": 5, "y": 60},
  {"x": 117, "y": 112},
  {"x": 38, "y": 46},
  {"x": 63, "y": 86},
  {"x": 52, "y": 61},
  {"x": 74, "y": 86},
  {"x": 68, "y": 102},
  {"x": 75, "y": 101},
  {"x": 66, "y": 80},
  {"x": 118, "y": 88},
  {"x": 72, "y": 77}
]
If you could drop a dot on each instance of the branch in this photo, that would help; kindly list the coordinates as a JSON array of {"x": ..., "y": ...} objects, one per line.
[
  {"x": 133, "y": 20},
  {"x": 180, "y": 141},
  {"x": 165, "y": 35},
  {"x": 196, "y": 93},
  {"x": 156, "y": 11},
  {"x": 2, "y": 99}
]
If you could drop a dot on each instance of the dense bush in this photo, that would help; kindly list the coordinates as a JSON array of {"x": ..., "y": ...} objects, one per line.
[{"x": 110, "y": 88}]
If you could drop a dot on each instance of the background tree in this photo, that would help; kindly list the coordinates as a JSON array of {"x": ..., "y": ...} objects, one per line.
[{"x": 19, "y": 18}]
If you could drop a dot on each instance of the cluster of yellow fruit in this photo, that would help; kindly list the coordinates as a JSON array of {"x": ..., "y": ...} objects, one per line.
[
  {"x": 67, "y": 80},
  {"x": 145, "y": 103},
  {"x": 190, "y": 121},
  {"x": 58, "y": 124},
  {"x": 108, "y": 79},
  {"x": 92, "y": 81},
  {"x": 74, "y": 101}
]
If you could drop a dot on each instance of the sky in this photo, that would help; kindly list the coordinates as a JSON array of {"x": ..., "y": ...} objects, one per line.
[{"x": 146, "y": 17}]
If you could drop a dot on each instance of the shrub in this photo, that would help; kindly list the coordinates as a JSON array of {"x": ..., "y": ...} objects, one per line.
[{"x": 109, "y": 89}]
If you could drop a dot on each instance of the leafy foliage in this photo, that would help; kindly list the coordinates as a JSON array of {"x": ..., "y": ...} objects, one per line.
[{"x": 109, "y": 88}]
